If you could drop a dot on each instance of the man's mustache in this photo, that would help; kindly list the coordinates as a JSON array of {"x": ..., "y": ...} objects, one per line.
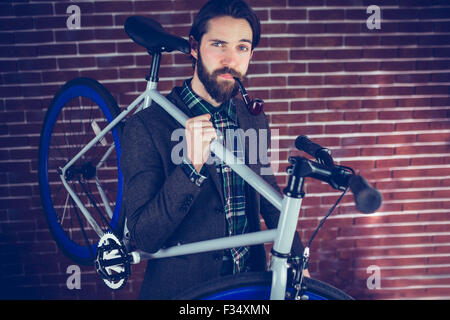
[{"x": 228, "y": 70}]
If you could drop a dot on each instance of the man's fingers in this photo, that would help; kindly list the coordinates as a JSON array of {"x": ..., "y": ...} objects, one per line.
[
  {"x": 199, "y": 133},
  {"x": 201, "y": 128},
  {"x": 202, "y": 120},
  {"x": 209, "y": 135},
  {"x": 200, "y": 125}
]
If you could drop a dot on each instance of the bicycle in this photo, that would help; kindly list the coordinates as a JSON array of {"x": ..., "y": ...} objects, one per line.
[{"x": 79, "y": 153}]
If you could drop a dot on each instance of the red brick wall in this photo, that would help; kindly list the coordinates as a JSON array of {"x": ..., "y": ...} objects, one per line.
[{"x": 379, "y": 99}]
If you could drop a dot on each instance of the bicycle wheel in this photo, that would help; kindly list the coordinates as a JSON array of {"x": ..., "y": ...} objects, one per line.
[
  {"x": 79, "y": 110},
  {"x": 257, "y": 286}
]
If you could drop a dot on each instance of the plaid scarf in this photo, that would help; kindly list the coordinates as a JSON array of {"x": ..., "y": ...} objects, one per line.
[{"x": 224, "y": 119}]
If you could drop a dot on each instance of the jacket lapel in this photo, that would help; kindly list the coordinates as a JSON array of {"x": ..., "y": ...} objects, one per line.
[{"x": 246, "y": 121}]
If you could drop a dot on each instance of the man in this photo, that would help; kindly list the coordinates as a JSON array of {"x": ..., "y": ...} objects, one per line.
[{"x": 169, "y": 203}]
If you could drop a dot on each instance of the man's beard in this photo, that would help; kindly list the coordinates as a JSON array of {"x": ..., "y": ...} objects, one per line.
[{"x": 219, "y": 91}]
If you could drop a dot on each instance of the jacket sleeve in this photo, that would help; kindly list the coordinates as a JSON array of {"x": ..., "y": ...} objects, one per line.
[
  {"x": 271, "y": 214},
  {"x": 155, "y": 204}
]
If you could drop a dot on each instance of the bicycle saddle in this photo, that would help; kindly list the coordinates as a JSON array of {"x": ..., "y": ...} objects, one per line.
[{"x": 151, "y": 35}]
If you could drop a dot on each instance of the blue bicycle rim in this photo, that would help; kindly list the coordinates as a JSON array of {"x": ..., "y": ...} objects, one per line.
[
  {"x": 252, "y": 293},
  {"x": 74, "y": 249}
]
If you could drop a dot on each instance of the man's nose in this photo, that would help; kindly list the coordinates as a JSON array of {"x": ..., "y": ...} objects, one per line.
[{"x": 228, "y": 58}]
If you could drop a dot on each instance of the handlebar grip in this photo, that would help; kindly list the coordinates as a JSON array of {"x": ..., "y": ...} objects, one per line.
[
  {"x": 323, "y": 155},
  {"x": 303, "y": 143},
  {"x": 367, "y": 198}
]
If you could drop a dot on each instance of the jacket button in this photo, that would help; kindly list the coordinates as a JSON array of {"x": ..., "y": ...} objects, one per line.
[
  {"x": 219, "y": 210},
  {"x": 217, "y": 257}
]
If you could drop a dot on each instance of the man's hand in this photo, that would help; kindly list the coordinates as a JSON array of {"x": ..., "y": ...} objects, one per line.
[
  {"x": 199, "y": 133},
  {"x": 306, "y": 273}
]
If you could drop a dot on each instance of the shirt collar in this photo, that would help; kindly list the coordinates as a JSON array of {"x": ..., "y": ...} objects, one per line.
[{"x": 199, "y": 106}]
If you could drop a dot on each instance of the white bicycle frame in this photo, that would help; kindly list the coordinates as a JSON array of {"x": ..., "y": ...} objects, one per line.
[{"x": 282, "y": 237}]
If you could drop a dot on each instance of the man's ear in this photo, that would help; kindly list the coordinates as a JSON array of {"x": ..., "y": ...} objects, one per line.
[{"x": 194, "y": 47}]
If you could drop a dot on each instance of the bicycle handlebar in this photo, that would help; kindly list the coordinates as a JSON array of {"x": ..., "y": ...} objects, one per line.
[
  {"x": 367, "y": 198},
  {"x": 323, "y": 155}
]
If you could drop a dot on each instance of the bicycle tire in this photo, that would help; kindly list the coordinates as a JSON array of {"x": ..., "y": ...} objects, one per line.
[
  {"x": 77, "y": 111},
  {"x": 257, "y": 286}
]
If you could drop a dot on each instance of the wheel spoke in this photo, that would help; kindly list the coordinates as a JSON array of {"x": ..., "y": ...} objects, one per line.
[
  {"x": 82, "y": 228},
  {"x": 65, "y": 207}
]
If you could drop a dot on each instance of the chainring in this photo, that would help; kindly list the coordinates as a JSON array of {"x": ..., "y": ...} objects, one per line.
[{"x": 112, "y": 261}]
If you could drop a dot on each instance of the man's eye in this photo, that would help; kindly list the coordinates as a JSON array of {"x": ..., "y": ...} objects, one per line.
[
  {"x": 243, "y": 48},
  {"x": 217, "y": 44}
]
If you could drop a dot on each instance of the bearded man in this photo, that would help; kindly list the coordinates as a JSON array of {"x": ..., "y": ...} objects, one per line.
[{"x": 171, "y": 202}]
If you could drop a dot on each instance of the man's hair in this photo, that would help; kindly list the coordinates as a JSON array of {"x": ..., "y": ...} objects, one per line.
[{"x": 237, "y": 9}]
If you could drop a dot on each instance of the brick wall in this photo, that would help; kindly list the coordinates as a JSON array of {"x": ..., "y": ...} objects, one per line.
[{"x": 379, "y": 99}]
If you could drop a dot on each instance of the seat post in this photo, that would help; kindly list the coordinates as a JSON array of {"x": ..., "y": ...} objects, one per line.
[
  {"x": 154, "y": 68},
  {"x": 152, "y": 78}
]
